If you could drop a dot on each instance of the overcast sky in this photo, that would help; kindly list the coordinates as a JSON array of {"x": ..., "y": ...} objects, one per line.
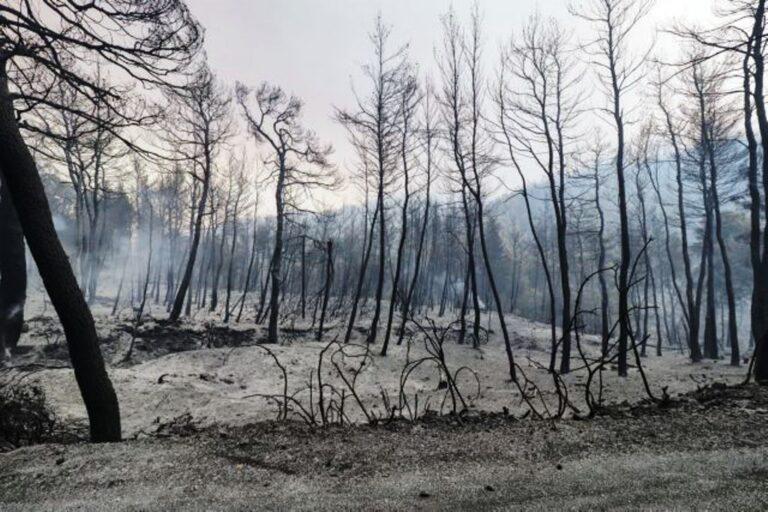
[{"x": 314, "y": 48}]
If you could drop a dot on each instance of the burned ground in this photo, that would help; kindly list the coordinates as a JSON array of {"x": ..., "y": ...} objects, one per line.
[{"x": 706, "y": 449}]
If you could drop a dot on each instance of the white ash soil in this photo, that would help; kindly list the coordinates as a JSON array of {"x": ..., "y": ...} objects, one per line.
[
  {"x": 172, "y": 372},
  {"x": 708, "y": 450}
]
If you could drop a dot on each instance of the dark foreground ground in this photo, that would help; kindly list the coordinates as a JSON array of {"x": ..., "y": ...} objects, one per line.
[{"x": 708, "y": 451}]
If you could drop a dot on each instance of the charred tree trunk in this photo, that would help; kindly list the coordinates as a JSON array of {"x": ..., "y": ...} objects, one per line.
[
  {"x": 303, "y": 276},
  {"x": 26, "y": 190},
  {"x": 755, "y": 206},
  {"x": 406, "y": 132},
  {"x": 230, "y": 269},
  {"x": 470, "y": 283},
  {"x": 13, "y": 273},
  {"x": 604, "y": 320},
  {"x": 361, "y": 277},
  {"x": 277, "y": 258},
  {"x": 249, "y": 270},
  {"x": 760, "y": 289},
  {"x": 690, "y": 309},
  {"x": 419, "y": 250},
  {"x": 326, "y": 288},
  {"x": 398, "y": 268},
  {"x": 643, "y": 336},
  {"x": 536, "y": 237},
  {"x": 373, "y": 329},
  {"x": 733, "y": 330},
  {"x": 710, "y": 315},
  {"x": 219, "y": 260},
  {"x": 186, "y": 278},
  {"x": 626, "y": 255}
]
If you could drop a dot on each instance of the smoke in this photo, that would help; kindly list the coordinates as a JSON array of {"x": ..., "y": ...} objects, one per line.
[{"x": 60, "y": 223}]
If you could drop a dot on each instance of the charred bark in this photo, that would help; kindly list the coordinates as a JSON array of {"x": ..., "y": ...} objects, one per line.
[{"x": 26, "y": 189}]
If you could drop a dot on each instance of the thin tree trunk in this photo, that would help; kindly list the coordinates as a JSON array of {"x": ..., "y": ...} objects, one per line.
[
  {"x": 248, "y": 272},
  {"x": 733, "y": 330},
  {"x": 373, "y": 329},
  {"x": 230, "y": 270},
  {"x": 326, "y": 288},
  {"x": 186, "y": 279},
  {"x": 277, "y": 257},
  {"x": 419, "y": 252},
  {"x": 361, "y": 277}
]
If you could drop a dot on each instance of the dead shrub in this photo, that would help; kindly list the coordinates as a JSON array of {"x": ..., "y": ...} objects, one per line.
[{"x": 25, "y": 416}]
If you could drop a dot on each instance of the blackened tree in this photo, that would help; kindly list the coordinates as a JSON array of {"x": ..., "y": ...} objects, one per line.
[
  {"x": 148, "y": 42},
  {"x": 298, "y": 163}
]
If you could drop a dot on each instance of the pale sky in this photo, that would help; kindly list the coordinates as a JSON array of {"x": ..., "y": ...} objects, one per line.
[{"x": 314, "y": 48}]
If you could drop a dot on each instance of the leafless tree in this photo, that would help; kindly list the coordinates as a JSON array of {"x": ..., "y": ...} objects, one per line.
[
  {"x": 236, "y": 176},
  {"x": 374, "y": 128},
  {"x": 545, "y": 107},
  {"x": 90, "y": 150},
  {"x": 507, "y": 117},
  {"x": 618, "y": 71},
  {"x": 671, "y": 131},
  {"x": 471, "y": 151},
  {"x": 429, "y": 136},
  {"x": 454, "y": 107},
  {"x": 148, "y": 42},
  {"x": 201, "y": 123},
  {"x": 411, "y": 97},
  {"x": 298, "y": 162}
]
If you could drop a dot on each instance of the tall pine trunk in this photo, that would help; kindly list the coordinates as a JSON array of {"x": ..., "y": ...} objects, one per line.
[
  {"x": 13, "y": 273},
  {"x": 26, "y": 189}
]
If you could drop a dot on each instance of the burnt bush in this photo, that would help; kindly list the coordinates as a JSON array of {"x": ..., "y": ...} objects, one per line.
[{"x": 25, "y": 416}]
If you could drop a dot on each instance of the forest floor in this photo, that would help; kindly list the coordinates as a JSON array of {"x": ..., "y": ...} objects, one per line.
[
  {"x": 707, "y": 451},
  {"x": 219, "y": 373},
  {"x": 201, "y": 436}
]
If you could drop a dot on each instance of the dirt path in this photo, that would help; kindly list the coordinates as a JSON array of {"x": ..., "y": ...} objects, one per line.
[{"x": 708, "y": 452}]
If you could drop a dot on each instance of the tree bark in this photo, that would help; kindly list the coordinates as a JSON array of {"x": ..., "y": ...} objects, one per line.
[
  {"x": 326, "y": 288},
  {"x": 760, "y": 290},
  {"x": 277, "y": 258},
  {"x": 181, "y": 294},
  {"x": 13, "y": 273},
  {"x": 604, "y": 320},
  {"x": 28, "y": 194},
  {"x": 361, "y": 277}
]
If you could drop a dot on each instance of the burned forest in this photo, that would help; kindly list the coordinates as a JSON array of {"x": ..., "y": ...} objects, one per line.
[{"x": 383, "y": 255}]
